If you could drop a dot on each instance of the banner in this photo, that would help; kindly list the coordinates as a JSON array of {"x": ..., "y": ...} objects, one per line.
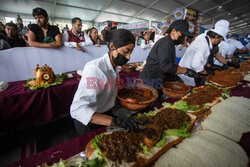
[
  {"x": 138, "y": 25},
  {"x": 163, "y": 26},
  {"x": 191, "y": 27},
  {"x": 191, "y": 17},
  {"x": 179, "y": 13}
]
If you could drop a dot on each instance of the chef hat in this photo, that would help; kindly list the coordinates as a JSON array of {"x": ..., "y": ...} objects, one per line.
[
  {"x": 248, "y": 36},
  {"x": 221, "y": 27},
  {"x": 222, "y": 23}
]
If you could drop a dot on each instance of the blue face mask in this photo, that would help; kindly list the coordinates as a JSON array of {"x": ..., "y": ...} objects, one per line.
[{"x": 120, "y": 60}]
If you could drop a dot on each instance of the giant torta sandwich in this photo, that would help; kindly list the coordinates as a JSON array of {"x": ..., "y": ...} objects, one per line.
[
  {"x": 201, "y": 99},
  {"x": 204, "y": 149},
  {"x": 230, "y": 118},
  {"x": 165, "y": 128}
]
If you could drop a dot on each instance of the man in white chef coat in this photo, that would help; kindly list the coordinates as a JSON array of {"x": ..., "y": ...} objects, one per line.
[{"x": 197, "y": 53}]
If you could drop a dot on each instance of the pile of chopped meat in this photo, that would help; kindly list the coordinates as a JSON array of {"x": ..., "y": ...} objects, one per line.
[
  {"x": 226, "y": 78},
  {"x": 124, "y": 146},
  {"x": 203, "y": 95},
  {"x": 138, "y": 95}
]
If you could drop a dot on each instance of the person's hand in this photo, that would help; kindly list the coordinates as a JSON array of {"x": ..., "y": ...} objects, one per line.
[
  {"x": 192, "y": 73},
  {"x": 78, "y": 47},
  {"x": 98, "y": 45},
  {"x": 128, "y": 123},
  {"x": 216, "y": 67},
  {"x": 233, "y": 65},
  {"x": 53, "y": 45},
  {"x": 210, "y": 71}
]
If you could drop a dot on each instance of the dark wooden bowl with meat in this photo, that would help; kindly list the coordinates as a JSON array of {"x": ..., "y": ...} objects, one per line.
[
  {"x": 129, "y": 67},
  {"x": 175, "y": 89},
  {"x": 136, "y": 96}
]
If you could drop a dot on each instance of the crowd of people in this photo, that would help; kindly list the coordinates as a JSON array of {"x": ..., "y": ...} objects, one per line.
[{"x": 44, "y": 35}]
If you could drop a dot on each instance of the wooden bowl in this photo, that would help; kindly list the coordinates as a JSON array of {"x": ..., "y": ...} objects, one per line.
[
  {"x": 129, "y": 67},
  {"x": 175, "y": 89},
  {"x": 136, "y": 97}
]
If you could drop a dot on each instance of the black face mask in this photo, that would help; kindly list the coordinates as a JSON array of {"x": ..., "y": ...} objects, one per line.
[
  {"x": 180, "y": 40},
  {"x": 120, "y": 60}
]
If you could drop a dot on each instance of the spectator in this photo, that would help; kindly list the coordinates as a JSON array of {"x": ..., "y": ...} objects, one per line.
[
  {"x": 3, "y": 43},
  {"x": 12, "y": 36},
  {"x": 76, "y": 38},
  {"x": 19, "y": 20},
  {"x": 43, "y": 34},
  {"x": 66, "y": 28},
  {"x": 106, "y": 28},
  {"x": 2, "y": 30},
  {"x": 19, "y": 23},
  {"x": 146, "y": 43},
  {"x": 101, "y": 39},
  {"x": 2, "y": 27},
  {"x": 24, "y": 34},
  {"x": 137, "y": 39},
  {"x": 93, "y": 34},
  {"x": 113, "y": 28}
]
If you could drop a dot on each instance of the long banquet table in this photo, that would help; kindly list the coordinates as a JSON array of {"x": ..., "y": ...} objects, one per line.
[{"x": 72, "y": 147}]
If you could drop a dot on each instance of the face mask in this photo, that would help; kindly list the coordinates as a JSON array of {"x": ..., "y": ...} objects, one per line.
[
  {"x": 120, "y": 60},
  {"x": 180, "y": 40}
]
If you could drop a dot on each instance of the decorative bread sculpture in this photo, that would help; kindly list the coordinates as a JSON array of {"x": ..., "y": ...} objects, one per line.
[{"x": 43, "y": 74}]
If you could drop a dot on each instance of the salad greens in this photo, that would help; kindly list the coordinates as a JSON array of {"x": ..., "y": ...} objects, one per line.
[
  {"x": 59, "y": 80},
  {"x": 179, "y": 132},
  {"x": 95, "y": 140},
  {"x": 182, "y": 105}
]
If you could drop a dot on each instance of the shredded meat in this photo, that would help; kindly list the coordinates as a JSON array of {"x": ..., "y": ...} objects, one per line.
[
  {"x": 137, "y": 96},
  {"x": 123, "y": 146},
  {"x": 226, "y": 78},
  {"x": 203, "y": 95}
]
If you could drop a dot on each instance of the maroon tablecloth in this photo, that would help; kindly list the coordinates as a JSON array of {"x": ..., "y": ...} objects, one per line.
[
  {"x": 64, "y": 150},
  {"x": 22, "y": 107}
]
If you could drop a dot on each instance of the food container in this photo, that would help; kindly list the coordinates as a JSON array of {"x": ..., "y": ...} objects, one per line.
[
  {"x": 136, "y": 96},
  {"x": 175, "y": 89},
  {"x": 129, "y": 67}
]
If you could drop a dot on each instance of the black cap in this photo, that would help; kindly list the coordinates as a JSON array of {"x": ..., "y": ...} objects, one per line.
[{"x": 182, "y": 26}]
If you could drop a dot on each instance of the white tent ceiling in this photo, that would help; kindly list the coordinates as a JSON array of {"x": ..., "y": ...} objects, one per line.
[{"x": 235, "y": 11}]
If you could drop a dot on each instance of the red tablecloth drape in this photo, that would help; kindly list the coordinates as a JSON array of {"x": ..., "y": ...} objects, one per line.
[{"x": 22, "y": 107}]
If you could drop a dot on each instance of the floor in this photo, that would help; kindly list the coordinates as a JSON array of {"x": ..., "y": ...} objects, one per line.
[{"x": 23, "y": 143}]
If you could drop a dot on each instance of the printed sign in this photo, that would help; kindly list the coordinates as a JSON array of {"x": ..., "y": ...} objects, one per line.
[{"x": 138, "y": 25}]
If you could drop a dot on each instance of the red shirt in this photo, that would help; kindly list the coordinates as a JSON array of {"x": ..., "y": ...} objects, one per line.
[{"x": 74, "y": 38}]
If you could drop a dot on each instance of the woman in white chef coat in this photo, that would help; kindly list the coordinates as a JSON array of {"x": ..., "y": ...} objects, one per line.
[{"x": 97, "y": 90}]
